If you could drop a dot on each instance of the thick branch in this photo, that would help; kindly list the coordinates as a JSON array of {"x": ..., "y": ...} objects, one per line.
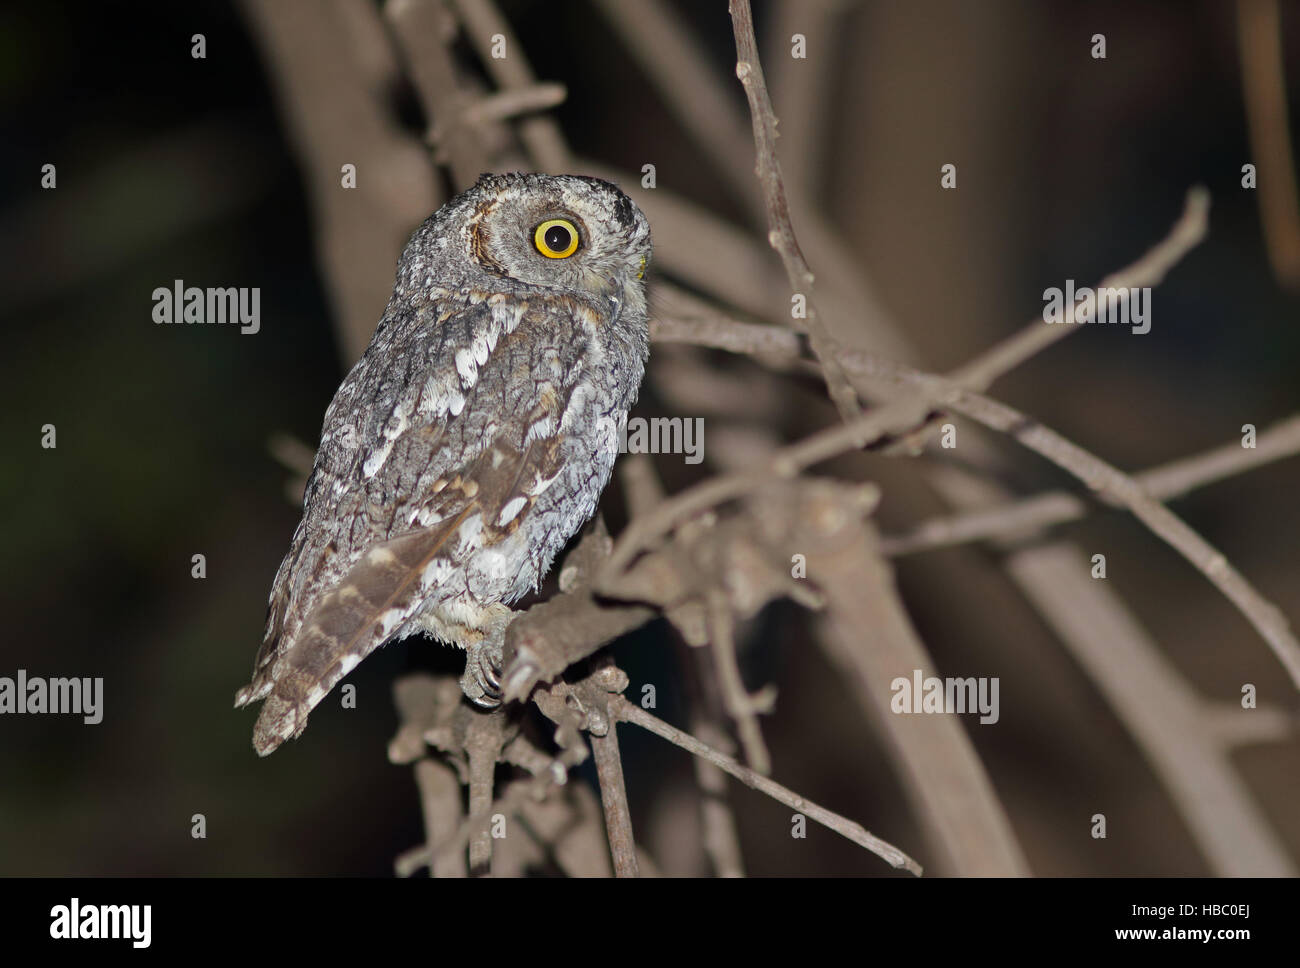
[{"x": 1263, "y": 84}]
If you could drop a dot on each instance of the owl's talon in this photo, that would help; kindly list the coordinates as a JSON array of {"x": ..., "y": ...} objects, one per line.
[{"x": 482, "y": 679}]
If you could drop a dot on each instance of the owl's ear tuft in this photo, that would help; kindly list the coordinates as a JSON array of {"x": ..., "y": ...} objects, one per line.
[{"x": 624, "y": 212}]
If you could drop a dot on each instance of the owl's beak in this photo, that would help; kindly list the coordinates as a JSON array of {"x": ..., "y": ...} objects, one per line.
[{"x": 604, "y": 285}]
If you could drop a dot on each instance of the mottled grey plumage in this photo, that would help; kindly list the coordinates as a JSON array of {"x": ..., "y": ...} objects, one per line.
[{"x": 468, "y": 444}]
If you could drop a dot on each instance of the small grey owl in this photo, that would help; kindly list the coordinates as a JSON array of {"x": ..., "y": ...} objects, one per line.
[{"x": 468, "y": 444}]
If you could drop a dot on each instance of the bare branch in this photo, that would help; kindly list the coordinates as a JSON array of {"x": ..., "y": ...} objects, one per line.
[
  {"x": 512, "y": 103},
  {"x": 1100, "y": 476},
  {"x": 483, "y": 743},
  {"x": 868, "y": 637},
  {"x": 613, "y": 796},
  {"x": 424, "y": 32},
  {"x": 327, "y": 62},
  {"x": 1150, "y": 270},
  {"x": 740, "y": 705},
  {"x": 721, "y": 840},
  {"x": 781, "y": 233},
  {"x": 1259, "y": 37},
  {"x": 1096, "y": 473},
  {"x": 554, "y": 634},
  {"x": 440, "y": 806},
  {"x": 905, "y": 408},
  {"x": 1157, "y": 705},
  {"x": 692, "y": 247},
  {"x": 1233, "y": 726},
  {"x": 935, "y": 391},
  {"x": 540, "y": 134},
  {"x": 678, "y": 64},
  {"x": 1160, "y": 711},
  {"x": 1162, "y": 483},
  {"x": 629, "y": 713}
]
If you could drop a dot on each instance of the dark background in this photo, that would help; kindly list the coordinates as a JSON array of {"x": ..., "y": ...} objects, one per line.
[{"x": 170, "y": 167}]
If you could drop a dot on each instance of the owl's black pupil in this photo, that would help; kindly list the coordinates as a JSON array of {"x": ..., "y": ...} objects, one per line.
[{"x": 557, "y": 238}]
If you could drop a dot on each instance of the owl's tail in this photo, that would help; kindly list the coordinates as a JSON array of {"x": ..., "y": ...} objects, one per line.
[{"x": 377, "y": 595}]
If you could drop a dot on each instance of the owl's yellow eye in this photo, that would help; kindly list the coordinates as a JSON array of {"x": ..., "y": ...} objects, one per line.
[{"x": 556, "y": 238}]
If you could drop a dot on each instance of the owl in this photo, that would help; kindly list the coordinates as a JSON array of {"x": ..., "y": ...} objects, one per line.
[{"x": 468, "y": 444}]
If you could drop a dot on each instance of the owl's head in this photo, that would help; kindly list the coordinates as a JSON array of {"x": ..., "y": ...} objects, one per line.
[{"x": 556, "y": 231}]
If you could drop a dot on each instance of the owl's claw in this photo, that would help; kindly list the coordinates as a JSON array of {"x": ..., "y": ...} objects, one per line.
[{"x": 481, "y": 682}]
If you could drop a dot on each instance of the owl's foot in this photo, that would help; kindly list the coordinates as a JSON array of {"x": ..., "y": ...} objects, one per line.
[{"x": 482, "y": 679}]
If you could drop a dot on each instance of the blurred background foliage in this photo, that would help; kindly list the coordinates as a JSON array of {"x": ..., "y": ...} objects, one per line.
[{"x": 175, "y": 168}]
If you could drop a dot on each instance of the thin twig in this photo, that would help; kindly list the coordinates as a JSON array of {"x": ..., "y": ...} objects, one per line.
[
  {"x": 1102, "y": 477},
  {"x": 903, "y": 409},
  {"x": 1162, "y": 483},
  {"x": 740, "y": 705},
  {"x": 613, "y": 797},
  {"x": 848, "y": 304},
  {"x": 938, "y": 391},
  {"x": 1150, "y": 270},
  {"x": 781, "y": 233},
  {"x": 425, "y": 32},
  {"x": 679, "y": 64},
  {"x": 1165, "y": 482},
  {"x": 540, "y": 134},
  {"x": 715, "y": 330},
  {"x": 512, "y": 103},
  {"x": 621, "y": 709},
  {"x": 644, "y": 490},
  {"x": 1096, "y": 473}
]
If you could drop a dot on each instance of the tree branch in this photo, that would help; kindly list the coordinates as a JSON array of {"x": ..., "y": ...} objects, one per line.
[
  {"x": 781, "y": 233},
  {"x": 628, "y": 713}
]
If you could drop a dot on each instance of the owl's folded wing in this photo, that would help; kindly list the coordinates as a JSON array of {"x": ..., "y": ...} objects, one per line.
[
  {"x": 380, "y": 592},
  {"x": 449, "y": 450}
]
